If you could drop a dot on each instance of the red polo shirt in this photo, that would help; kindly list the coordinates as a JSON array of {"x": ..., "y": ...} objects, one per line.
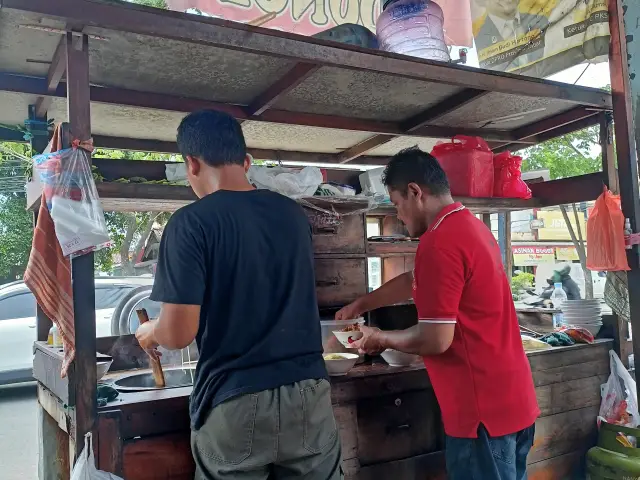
[{"x": 484, "y": 377}]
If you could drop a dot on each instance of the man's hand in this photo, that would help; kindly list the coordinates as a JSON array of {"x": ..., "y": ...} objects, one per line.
[
  {"x": 371, "y": 342},
  {"x": 146, "y": 336},
  {"x": 351, "y": 311}
]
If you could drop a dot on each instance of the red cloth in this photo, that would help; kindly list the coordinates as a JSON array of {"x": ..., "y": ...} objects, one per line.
[
  {"x": 48, "y": 276},
  {"x": 484, "y": 377}
]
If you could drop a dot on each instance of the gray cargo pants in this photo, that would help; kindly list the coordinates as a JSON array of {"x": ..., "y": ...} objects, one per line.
[{"x": 286, "y": 433}]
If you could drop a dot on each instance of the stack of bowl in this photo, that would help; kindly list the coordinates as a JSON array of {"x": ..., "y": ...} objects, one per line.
[{"x": 586, "y": 314}]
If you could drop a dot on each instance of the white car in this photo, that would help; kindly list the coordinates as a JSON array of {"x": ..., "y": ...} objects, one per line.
[{"x": 18, "y": 321}]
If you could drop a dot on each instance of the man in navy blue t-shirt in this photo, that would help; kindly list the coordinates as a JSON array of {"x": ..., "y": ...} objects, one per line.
[{"x": 236, "y": 273}]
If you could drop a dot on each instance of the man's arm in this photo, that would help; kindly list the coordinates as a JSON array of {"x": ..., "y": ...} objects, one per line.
[
  {"x": 396, "y": 290},
  {"x": 423, "y": 339},
  {"x": 179, "y": 284},
  {"x": 177, "y": 325}
]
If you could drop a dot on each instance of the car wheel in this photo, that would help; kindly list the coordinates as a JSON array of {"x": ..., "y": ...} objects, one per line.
[
  {"x": 117, "y": 326},
  {"x": 129, "y": 319}
]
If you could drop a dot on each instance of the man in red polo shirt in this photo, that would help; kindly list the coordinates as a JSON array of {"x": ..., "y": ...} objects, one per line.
[{"x": 467, "y": 332}]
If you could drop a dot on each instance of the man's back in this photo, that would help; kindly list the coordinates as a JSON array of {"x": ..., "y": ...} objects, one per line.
[{"x": 259, "y": 324}]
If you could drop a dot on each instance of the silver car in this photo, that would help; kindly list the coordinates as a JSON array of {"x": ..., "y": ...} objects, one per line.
[{"x": 116, "y": 301}]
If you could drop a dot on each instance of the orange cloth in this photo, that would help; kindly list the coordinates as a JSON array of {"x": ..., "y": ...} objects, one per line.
[{"x": 48, "y": 275}]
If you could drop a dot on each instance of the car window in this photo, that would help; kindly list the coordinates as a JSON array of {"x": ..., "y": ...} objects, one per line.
[
  {"x": 109, "y": 297},
  {"x": 21, "y": 305}
]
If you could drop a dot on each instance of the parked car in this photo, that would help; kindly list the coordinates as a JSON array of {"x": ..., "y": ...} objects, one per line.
[{"x": 116, "y": 297}]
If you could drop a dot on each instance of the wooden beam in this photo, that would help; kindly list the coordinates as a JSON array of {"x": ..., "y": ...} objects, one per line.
[
  {"x": 586, "y": 122},
  {"x": 82, "y": 270},
  {"x": 608, "y": 155},
  {"x": 549, "y": 124},
  {"x": 581, "y": 188},
  {"x": 294, "y": 77},
  {"x": 414, "y": 124},
  {"x": 147, "y": 145},
  {"x": 623, "y": 44},
  {"x": 54, "y": 76},
  {"x": 220, "y": 33}
]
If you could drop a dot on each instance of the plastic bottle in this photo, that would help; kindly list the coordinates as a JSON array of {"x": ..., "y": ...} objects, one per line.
[
  {"x": 50, "y": 336},
  {"x": 558, "y": 297},
  {"x": 412, "y": 27},
  {"x": 627, "y": 234}
]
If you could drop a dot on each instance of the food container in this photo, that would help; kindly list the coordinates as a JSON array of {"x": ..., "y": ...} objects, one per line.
[
  {"x": 399, "y": 359},
  {"x": 340, "y": 367},
  {"x": 330, "y": 344}
]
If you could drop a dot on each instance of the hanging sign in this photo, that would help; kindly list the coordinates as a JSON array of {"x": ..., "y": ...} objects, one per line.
[
  {"x": 308, "y": 17},
  {"x": 540, "y": 37},
  {"x": 532, "y": 255}
]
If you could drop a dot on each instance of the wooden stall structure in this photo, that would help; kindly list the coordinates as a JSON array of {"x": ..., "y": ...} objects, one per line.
[{"x": 125, "y": 75}]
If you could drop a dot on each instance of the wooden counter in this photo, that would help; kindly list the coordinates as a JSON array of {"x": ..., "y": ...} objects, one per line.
[{"x": 388, "y": 418}]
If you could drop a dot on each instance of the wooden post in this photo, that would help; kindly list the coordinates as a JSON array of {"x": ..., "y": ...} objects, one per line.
[
  {"x": 83, "y": 380},
  {"x": 608, "y": 157},
  {"x": 486, "y": 219},
  {"x": 625, "y": 55}
]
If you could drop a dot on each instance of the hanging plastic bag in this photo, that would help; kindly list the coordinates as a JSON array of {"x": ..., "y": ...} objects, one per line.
[
  {"x": 605, "y": 235},
  {"x": 287, "y": 181},
  {"x": 468, "y": 163},
  {"x": 619, "y": 400},
  {"x": 72, "y": 199},
  {"x": 507, "y": 178},
  {"x": 85, "y": 467}
]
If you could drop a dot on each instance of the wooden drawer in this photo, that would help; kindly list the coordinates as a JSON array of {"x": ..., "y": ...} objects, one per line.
[
  {"x": 393, "y": 427},
  {"x": 333, "y": 235},
  {"x": 340, "y": 281}
]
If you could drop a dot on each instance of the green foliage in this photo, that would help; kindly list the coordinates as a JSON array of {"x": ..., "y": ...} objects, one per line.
[
  {"x": 522, "y": 281},
  {"x": 152, "y": 3},
  {"x": 16, "y": 232},
  {"x": 566, "y": 156}
]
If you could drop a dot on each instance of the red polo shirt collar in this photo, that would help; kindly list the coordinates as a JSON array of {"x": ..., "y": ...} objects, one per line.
[{"x": 444, "y": 213}]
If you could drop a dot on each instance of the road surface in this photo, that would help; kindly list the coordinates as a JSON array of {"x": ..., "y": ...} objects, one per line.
[{"x": 18, "y": 432}]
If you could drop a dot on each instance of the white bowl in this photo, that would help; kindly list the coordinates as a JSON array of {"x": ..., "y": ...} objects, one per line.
[
  {"x": 347, "y": 339},
  {"x": 340, "y": 367},
  {"x": 399, "y": 359},
  {"x": 102, "y": 367}
]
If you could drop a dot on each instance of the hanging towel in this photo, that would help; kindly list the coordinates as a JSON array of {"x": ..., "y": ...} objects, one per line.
[{"x": 48, "y": 274}]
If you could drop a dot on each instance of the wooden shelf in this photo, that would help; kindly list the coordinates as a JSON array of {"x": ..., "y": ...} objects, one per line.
[
  {"x": 391, "y": 249},
  {"x": 477, "y": 205}
]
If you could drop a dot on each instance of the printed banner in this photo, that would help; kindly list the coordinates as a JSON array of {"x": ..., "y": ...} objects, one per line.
[
  {"x": 308, "y": 17},
  {"x": 532, "y": 255},
  {"x": 555, "y": 228},
  {"x": 539, "y": 37},
  {"x": 566, "y": 254}
]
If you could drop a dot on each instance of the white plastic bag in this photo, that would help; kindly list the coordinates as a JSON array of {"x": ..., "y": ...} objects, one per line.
[
  {"x": 85, "y": 467},
  {"x": 72, "y": 199},
  {"x": 619, "y": 399},
  {"x": 287, "y": 181}
]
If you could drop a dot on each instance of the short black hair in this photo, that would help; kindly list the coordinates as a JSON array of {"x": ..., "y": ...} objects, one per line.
[
  {"x": 214, "y": 137},
  {"x": 412, "y": 165}
]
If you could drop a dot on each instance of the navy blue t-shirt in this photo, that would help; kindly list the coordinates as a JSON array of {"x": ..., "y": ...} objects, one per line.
[{"x": 247, "y": 259}]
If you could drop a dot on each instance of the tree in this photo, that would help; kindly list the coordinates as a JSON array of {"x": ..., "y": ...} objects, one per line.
[
  {"x": 568, "y": 156},
  {"x": 16, "y": 232}
]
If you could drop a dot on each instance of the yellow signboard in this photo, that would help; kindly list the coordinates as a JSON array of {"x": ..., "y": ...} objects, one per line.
[
  {"x": 555, "y": 228},
  {"x": 566, "y": 254},
  {"x": 532, "y": 255}
]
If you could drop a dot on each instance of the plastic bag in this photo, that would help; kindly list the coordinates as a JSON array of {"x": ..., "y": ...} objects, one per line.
[
  {"x": 287, "y": 181},
  {"x": 605, "y": 235},
  {"x": 468, "y": 163},
  {"x": 507, "y": 181},
  {"x": 72, "y": 199},
  {"x": 85, "y": 467},
  {"x": 619, "y": 400}
]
